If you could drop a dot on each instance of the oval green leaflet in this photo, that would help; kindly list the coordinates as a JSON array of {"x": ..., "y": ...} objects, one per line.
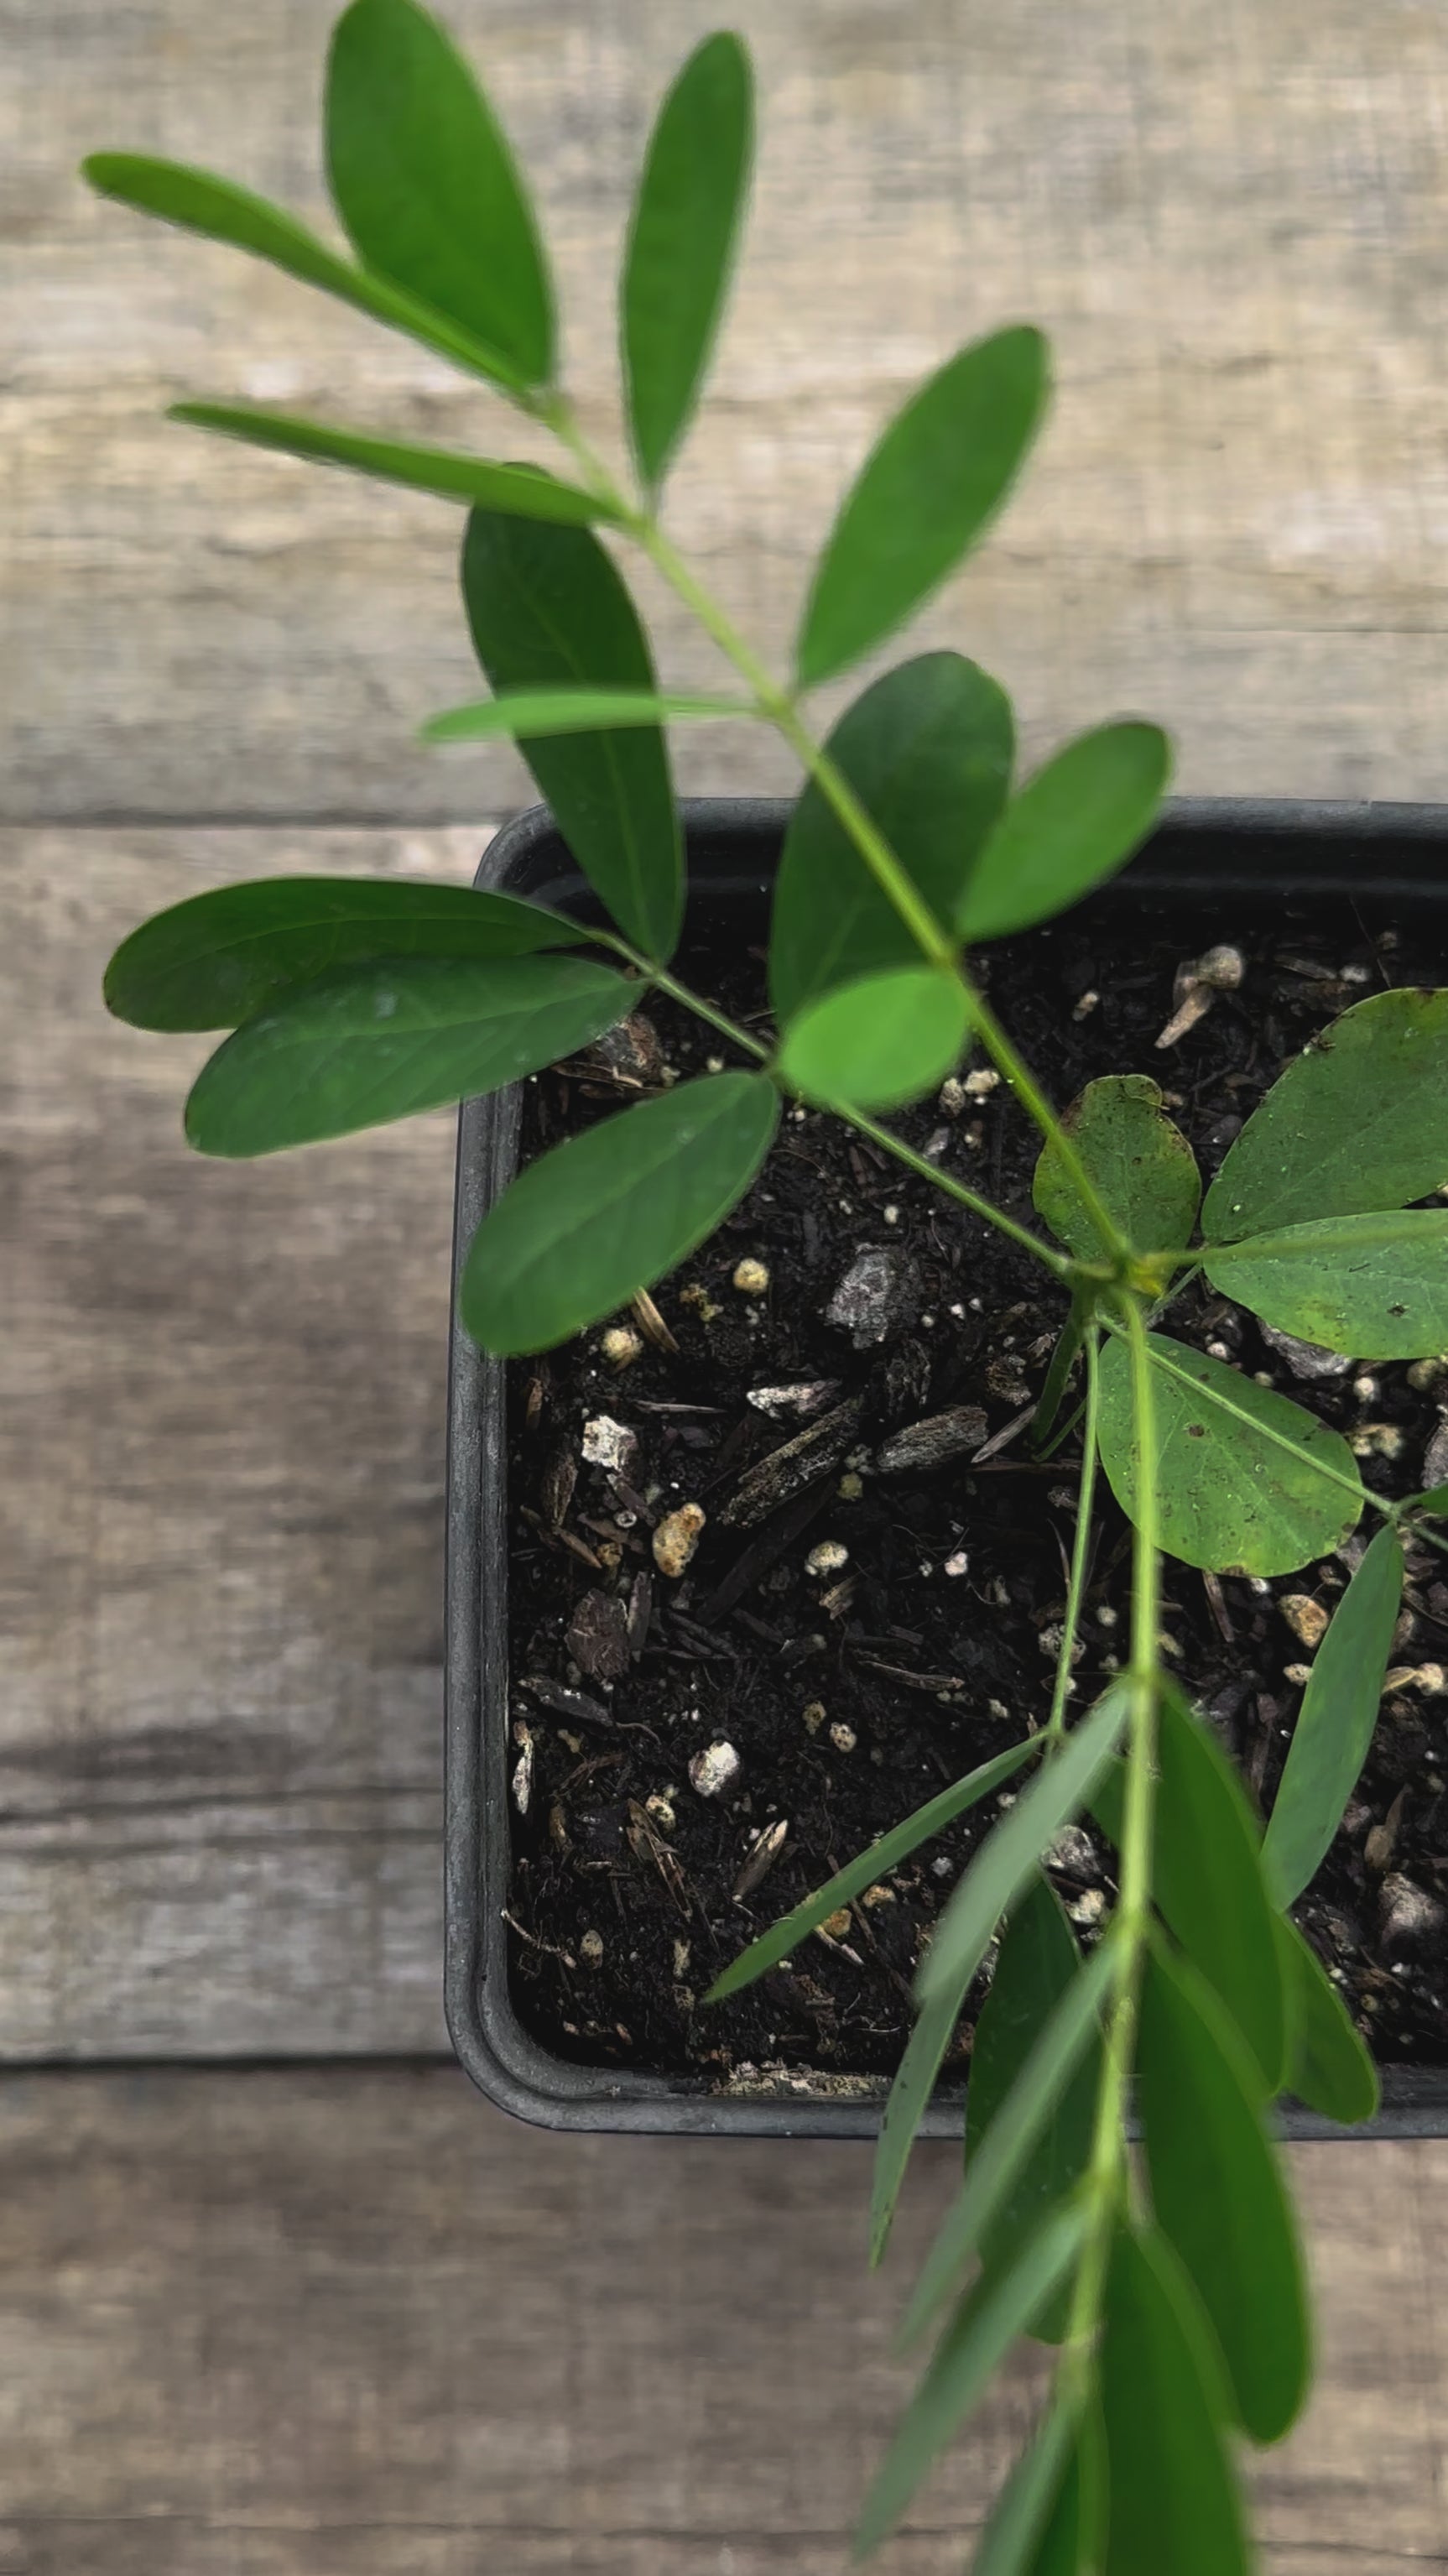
[
  {"x": 1327, "y": 2065},
  {"x": 373, "y": 1042},
  {"x": 681, "y": 244},
  {"x": 524, "y": 491},
  {"x": 198, "y": 202},
  {"x": 879, "y": 1042},
  {"x": 1248, "y": 1481},
  {"x": 219, "y": 958},
  {"x": 426, "y": 185},
  {"x": 1335, "y": 1722},
  {"x": 548, "y": 608},
  {"x": 1068, "y": 829},
  {"x": 1356, "y": 1122},
  {"x": 993, "y": 2314},
  {"x": 1142, "y": 1166},
  {"x": 876, "y": 1863},
  {"x": 609, "y": 1212},
  {"x": 531, "y": 715},
  {"x": 927, "y": 750},
  {"x": 925, "y": 495},
  {"x": 1375, "y": 1286},
  {"x": 1218, "y": 2191},
  {"x": 1172, "y": 2499}
]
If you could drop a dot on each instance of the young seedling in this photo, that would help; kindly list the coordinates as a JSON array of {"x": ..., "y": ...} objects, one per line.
[{"x": 1173, "y": 2295}]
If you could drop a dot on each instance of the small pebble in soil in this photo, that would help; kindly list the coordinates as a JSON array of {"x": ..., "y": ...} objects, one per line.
[
  {"x": 1376, "y": 1440},
  {"x": 1424, "y": 1375},
  {"x": 980, "y": 1084},
  {"x": 681, "y": 1958},
  {"x": 1088, "y": 1907},
  {"x": 610, "y": 1444},
  {"x": 660, "y": 1807},
  {"x": 1366, "y": 1390},
  {"x": 751, "y": 1278},
  {"x": 1306, "y": 1618},
  {"x": 713, "y": 1769},
  {"x": 827, "y": 1558},
  {"x": 843, "y": 1738},
  {"x": 523, "y": 1771},
  {"x": 621, "y": 1346},
  {"x": 803, "y": 1400},
  {"x": 850, "y": 1487},
  {"x": 676, "y": 1538},
  {"x": 1072, "y": 1852},
  {"x": 814, "y": 1716},
  {"x": 1409, "y": 1919},
  {"x": 1090, "y": 1001},
  {"x": 952, "y": 1096},
  {"x": 1305, "y": 1359},
  {"x": 957, "y": 1564},
  {"x": 836, "y": 1925},
  {"x": 1299, "y": 1675},
  {"x": 590, "y": 1949},
  {"x": 877, "y": 1297}
]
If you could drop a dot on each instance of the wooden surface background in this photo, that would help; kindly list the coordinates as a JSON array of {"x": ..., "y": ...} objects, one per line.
[{"x": 346, "y": 2320}]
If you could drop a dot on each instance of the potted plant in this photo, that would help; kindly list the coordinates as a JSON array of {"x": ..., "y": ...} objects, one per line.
[{"x": 912, "y": 910}]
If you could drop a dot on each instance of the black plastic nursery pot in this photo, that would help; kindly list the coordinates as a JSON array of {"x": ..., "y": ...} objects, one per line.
[{"x": 1212, "y": 870}]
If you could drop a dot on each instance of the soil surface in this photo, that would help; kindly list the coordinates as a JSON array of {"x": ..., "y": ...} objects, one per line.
[{"x": 860, "y": 1631}]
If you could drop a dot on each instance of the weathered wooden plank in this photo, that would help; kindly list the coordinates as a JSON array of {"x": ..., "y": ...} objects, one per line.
[
  {"x": 353, "y": 2323},
  {"x": 221, "y": 1460},
  {"x": 1232, "y": 234}
]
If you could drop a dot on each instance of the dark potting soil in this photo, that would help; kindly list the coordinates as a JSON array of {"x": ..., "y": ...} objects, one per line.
[{"x": 859, "y": 1631}]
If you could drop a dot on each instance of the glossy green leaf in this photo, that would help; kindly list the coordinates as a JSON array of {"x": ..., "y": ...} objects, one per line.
[
  {"x": 523, "y": 491},
  {"x": 876, "y": 1863},
  {"x": 877, "y": 1043},
  {"x": 1249, "y": 1482},
  {"x": 1071, "y": 826},
  {"x": 1375, "y": 1286},
  {"x": 531, "y": 715},
  {"x": 1038, "y": 1967},
  {"x": 997, "y": 2310},
  {"x": 1435, "y": 1500},
  {"x": 580, "y": 1231},
  {"x": 925, "y": 495},
  {"x": 1335, "y": 1722},
  {"x": 1008, "y": 1856},
  {"x": 1041, "y": 2491},
  {"x": 1172, "y": 2497},
  {"x": 1075, "y": 2535},
  {"x": 905, "y": 2104},
  {"x": 1038, "y": 2105},
  {"x": 1327, "y": 2065},
  {"x": 1209, "y": 1881},
  {"x": 426, "y": 185},
  {"x": 1218, "y": 2191},
  {"x": 369, "y": 1043},
  {"x": 1143, "y": 1168},
  {"x": 681, "y": 244},
  {"x": 927, "y": 750},
  {"x": 220, "y": 211},
  {"x": 548, "y": 609},
  {"x": 217, "y": 959},
  {"x": 1356, "y": 1122}
]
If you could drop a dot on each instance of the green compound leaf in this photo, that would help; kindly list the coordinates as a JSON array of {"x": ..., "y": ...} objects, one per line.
[
  {"x": 220, "y": 211},
  {"x": 1008, "y": 1856},
  {"x": 858, "y": 1874},
  {"x": 217, "y": 959},
  {"x": 1327, "y": 2065},
  {"x": 1035, "y": 2107},
  {"x": 997, "y": 2310},
  {"x": 1218, "y": 2191},
  {"x": 1172, "y": 2497},
  {"x": 524, "y": 491},
  {"x": 1071, "y": 826},
  {"x": 1355, "y": 1123},
  {"x": 548, "y": 609},
  {"x": 877, "y": 1043},
  {"x": 531, "y": 715},
  {"x": 1335, "y": 1722},
  {"x": 609, "y": 1212},
  {"x": 924, "y": 496},
  {"x": 1375, "y": 1286},
  {"x": 370, "y": 1043},
  {"x": 426, "y": 186},
  {"x": 1141, "y": 1163},
  {"x": 681, "y": 244},
  {"x": 1249, "y": 1482},
  {"x": 927, "y": 750},
  {"x": 1038, "y": 1967}
]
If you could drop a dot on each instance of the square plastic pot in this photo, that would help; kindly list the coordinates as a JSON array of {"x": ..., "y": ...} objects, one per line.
[{"x": 1213, "y": 867}]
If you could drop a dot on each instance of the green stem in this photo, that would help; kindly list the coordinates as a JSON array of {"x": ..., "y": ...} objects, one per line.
[
  {"x": 1073, "y": 1333},
  {"x": 959, "y": 1191},
  {"x": 1080, "y": 1545}
]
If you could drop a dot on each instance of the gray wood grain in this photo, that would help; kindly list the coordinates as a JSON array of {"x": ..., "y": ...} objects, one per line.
[
  {"x": 357, "y": 2324},
  {"x": 1236, "y": 523}
]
